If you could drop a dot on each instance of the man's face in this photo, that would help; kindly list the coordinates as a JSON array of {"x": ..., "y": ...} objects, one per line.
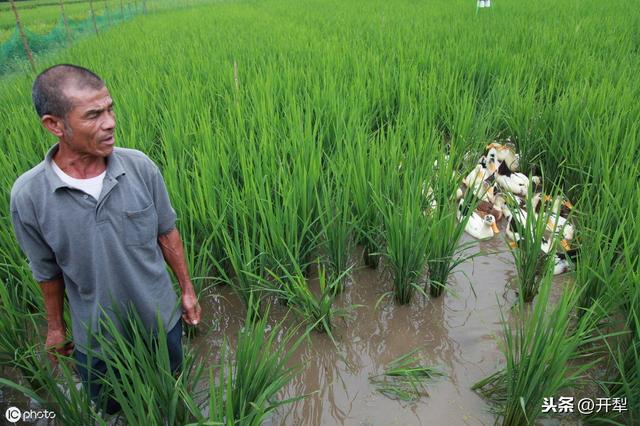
[{"x": 89, "y": 127}]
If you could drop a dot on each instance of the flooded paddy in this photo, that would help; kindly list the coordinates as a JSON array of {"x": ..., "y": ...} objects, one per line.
[{"x": 458, "y": 333}]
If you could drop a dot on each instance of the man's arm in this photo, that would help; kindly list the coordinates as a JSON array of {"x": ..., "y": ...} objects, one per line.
[
  {"x": 53, "y": 293},
  {"x": 173, "y": 252}
]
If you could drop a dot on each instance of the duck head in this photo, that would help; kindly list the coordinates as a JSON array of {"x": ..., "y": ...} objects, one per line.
[{"x": 490, "y": 221}]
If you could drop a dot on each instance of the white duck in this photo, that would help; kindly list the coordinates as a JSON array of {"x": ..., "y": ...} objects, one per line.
[
  {"x": 514, "y": 182},
  {"x": 558, "y": 218},
  {"x": 475, "y": 181},
  {"x": 560, "y": 265},
  {"x": 505, "y": 154},
  {"x": 479, "y": 226}
]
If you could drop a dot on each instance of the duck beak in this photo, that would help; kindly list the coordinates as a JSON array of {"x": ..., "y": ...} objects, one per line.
[
  {"x": 495, "y": 228},
  {"x": 513, "y": 244},
  {"x": 565, "y": 244},
  {"x": 568, "y": 205},
  {"x": 547, "y": 198}
]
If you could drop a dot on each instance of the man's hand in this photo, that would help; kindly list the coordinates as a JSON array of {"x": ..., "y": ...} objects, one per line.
[
  {"x": 190, "y": 308},
  {"x": 57, "y": 343},
  {"x": 173, "y": 252},
  {"x": 53, "y": 293}
]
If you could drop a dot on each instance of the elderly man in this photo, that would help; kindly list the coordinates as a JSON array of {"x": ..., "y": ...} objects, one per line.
[{"x": 95, "y": 222}]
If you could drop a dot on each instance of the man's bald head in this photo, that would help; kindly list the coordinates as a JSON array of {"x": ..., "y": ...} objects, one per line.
[{"x": 48, "y": 88}]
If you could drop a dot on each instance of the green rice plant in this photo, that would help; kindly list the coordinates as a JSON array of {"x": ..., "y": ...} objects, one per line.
[
  {"x": 242, "y": 241},
  {"x": 407, "y": 235},
  {"x": 337, "y": 226},
  {"x": 54, "y": 389},
  {"x": 288, "y": 237},
  {"x": 623, "y": 380},
  {"x": 365, "y": 176},
  {"x": 139, "y": 376},
  {"x": 18, "y": 324},
  {"x": 243, "y": 387},
  {"x": 609, "y": 233},
  {"x": 404, "y": 378},
  {"x": 444, "y": 252},
  {"x": 315, "y": 309},
  {"x": 539, "y": 344},
  {"x": 529, "y": 231}
]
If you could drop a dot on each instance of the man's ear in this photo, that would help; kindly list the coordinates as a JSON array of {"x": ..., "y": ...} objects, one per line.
[{"x": 53, "y": 124}]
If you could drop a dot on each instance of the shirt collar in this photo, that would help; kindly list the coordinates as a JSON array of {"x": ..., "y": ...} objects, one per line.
[{"x": 114, "y": 168}]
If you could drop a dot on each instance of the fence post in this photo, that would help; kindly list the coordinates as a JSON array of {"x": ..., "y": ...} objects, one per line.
[
  {"x": 25, "y": 42},
  {"x": 93, "y": 16},
  {"x": 106, "y": 12},
  {"x": 66, "y": 24}
]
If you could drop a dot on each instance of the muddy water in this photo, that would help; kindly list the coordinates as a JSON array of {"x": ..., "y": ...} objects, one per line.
[{"x": 456, "y": 332}]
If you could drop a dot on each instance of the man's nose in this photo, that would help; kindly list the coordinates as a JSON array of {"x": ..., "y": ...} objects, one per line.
[{"x": 109, "y": 123}]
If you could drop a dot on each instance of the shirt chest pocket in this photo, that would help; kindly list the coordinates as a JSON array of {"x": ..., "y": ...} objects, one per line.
[{"x": 140, "y": 226}]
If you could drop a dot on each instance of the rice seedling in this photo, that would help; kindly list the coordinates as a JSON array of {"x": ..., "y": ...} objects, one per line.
[
  {"x": 247, "y": 133},
  {"x": 407, "y": 235},
  {"x": 337, "y": 227},
  {"x": 315, "y": 309},
  {"x": 445, "y": 229},
  {"x": 243, "y": 387},
  {"x": 365, "y": 177},
  {"x": 623, "y": 379},
  {"x": 241, "y": 243},
  {"x": 404, "y": 377},
  {"x": 538, "y": 347},
  {"x": 139, "y": 374},
  {"x": 532, "y": 249},
  {"x": 18, "y": 324},
  {"x": 54, "y": 389}
]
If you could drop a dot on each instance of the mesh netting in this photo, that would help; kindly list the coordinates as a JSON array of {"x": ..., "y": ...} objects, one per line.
[{"x": 13, "y": 55}]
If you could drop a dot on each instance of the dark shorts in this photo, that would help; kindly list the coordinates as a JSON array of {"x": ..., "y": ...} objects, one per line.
[{"x": 99, "y": 368}]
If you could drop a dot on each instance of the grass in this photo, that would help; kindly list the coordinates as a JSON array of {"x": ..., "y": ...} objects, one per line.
[
  {"x": 55, "y": 390},
  {"x": 338, "y": 230},
  {"x": 530, "y": 229},
  {"x": 243, "y": 388},
  {"x": 317, "y": 309},
  {"x": 404, "y": 378},
  {"x": 273, "y": 165},
  {"x": 407, "y": 234},
  {"x": 445, "y": 230},
  {"x": 138, "y": 374},
  {"x": 539, "y": 346}
]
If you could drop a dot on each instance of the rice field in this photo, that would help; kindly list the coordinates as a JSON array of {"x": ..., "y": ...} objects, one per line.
[
  {"x": 42, "y": 18},
  {"x": 312, "y": 151}
]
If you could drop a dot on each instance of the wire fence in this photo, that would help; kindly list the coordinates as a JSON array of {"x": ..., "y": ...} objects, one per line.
[{"x": 15, "y": 53}]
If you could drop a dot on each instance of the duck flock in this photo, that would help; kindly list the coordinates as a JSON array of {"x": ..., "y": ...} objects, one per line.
[{"x": 501, "y": 192}]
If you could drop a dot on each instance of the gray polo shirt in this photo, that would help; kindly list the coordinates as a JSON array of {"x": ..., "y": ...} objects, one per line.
[{"x": 106, "y": 250}]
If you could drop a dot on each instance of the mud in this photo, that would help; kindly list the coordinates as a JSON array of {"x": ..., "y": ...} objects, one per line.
[{"x": 458, "y": 332}]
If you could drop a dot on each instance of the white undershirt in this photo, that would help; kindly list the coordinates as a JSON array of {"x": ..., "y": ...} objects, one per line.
[{"x": 92, "y": 186}]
